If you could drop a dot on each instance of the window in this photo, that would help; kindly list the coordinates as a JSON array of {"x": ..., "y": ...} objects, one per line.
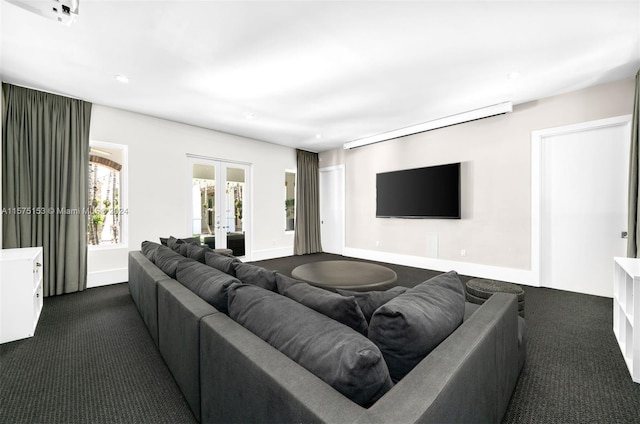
[
  {"x": 290, "y": 199},
  {"x": 106, "y": 211}
]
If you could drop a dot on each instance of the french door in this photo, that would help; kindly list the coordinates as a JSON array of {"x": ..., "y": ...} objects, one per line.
[{"x": 219, "y": 203}]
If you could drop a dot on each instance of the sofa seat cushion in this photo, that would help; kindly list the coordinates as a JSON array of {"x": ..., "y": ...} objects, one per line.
[
  {"x": 167, "y": 260},
  {"x": 255, "y": 275},
  {"x": 412, "y": 324},
  {"x": 208, "y": 283},
  {"x": 343, "y": 309},
  {"x": 338, "y": 355},
  {"x": 220, "y": 262},
  {"x": 369, "y": 301}
]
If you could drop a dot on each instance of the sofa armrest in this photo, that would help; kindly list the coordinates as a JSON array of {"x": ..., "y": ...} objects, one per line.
[
  {"x": 143, "y": 281},
  {"x": 468, "y": 378},
  {"x": 179, "y": 314},
  {"x": 244, "y": 379}
]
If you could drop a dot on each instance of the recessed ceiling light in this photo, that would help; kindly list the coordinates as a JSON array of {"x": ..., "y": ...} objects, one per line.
[
  {"x": 122, "y": 78},
  {"x": 250, "y": 116},
  {"x": 318, "y": 136},
  {"x": 513, "y": 75}
]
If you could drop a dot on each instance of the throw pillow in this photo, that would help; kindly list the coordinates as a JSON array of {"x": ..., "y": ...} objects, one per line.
[
  {"x": 194, "y": 252},
  {"x": 208, "y": 283},
  {"x": 180, "y": 248},
  {"x": 221, "y": 262},
  {"x": 343, "y": 309},
  {"x": 412, "y": 324},
  {"x": 192, "y": 240},
  {"x": 167, "y": 260},
  {"x": 341, "y": 357},
  {"x": 149, "y": 249},
  {"x": 371, "y": 300},
  {"x": 255, "y": 275},
  {"x": 173, "y": 242}
]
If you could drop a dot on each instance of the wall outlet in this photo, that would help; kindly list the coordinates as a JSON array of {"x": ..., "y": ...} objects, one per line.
[{"x": 463, "y": 252}]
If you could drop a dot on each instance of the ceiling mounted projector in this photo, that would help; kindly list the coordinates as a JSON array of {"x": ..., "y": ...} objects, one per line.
[{"x": 63, "y": 11}]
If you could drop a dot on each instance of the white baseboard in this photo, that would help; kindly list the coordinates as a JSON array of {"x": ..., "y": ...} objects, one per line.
[
  {"x": 109, "y": 276},
  {"x": 263, "y": 255},
  {"x": 512, "y": 275}
]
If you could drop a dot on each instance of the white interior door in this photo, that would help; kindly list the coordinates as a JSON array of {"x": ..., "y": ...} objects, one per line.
[
  {"x": 583, "y": 203},
  {"x": 332, "y": 209},
  {"x": 219, "y": 207}
]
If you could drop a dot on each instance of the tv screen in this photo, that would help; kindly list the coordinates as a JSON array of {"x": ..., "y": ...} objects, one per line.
[{"x": 431, "y": 192}]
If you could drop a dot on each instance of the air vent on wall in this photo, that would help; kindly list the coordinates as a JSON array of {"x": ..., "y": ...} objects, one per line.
[{"x": 63, "y": 11}]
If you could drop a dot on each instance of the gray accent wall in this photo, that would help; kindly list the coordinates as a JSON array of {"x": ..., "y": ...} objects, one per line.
[{"x": 495, "y": 229}]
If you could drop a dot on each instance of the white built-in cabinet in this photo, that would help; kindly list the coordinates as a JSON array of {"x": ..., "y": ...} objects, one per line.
[
  {"x": 20, "y": 292},
  {"x": 626, "y": 311}
]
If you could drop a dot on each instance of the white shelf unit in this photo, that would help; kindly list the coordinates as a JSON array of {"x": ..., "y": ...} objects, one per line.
[
  {"x": 626, "y": 311},
  {"x": 20, "y": 292}
]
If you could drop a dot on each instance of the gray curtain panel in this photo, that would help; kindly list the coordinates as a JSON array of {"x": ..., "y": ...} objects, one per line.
[
  {"x": 633, "y": 229},
  {"x": 45, "y": 172},
  {"x": 307, "y": 225}
]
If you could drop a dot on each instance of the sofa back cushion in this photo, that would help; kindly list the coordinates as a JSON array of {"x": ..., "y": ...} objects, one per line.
[
  {"x": 255, "y": 275},
  {"x": 149, "y": 249},
  {"x": 343, "y": 309},
  {"x": 341, "y": 357},
  {"x": 172, "y": 242},
  {"x": 193, "y": 251},
  {"x": 167, "y": 260},
  {"x": 208, "y": 283},
  {"x": 412, "y": 324},
  {"x": 220, "y": 262},
  {"x": 369, "y": 301}
]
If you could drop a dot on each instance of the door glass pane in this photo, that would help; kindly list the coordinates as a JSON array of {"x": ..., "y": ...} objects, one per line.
[
  {"x": 204, "y": 201},
  {"x": 235, "y": 210}
]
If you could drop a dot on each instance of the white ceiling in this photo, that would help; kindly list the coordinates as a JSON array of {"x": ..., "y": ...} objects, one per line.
[{"x": 316, "y": 74}]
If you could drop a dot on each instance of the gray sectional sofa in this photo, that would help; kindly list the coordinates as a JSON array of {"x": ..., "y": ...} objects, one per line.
[{"x": 228, "y": 374}]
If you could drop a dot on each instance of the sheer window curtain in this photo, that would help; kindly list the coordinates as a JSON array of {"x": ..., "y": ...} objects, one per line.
[
  {"x": 45, "y": 165},
  {"x": 307, "y": 225}
]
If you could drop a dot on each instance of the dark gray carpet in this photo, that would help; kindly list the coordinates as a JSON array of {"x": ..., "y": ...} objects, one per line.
[
  {"x": 575, "y": 372},
  {"x": 92, "y": 361}
]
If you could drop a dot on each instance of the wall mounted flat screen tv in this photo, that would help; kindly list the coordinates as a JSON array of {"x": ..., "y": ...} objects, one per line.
[{"x": 430, "y": 192}]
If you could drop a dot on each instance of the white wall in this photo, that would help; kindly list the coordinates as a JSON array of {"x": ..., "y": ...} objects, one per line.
[
  {"x": 495, "y": 229},
  {"x": 157, "y": 184},
  {"x": 1, "y": 123}
]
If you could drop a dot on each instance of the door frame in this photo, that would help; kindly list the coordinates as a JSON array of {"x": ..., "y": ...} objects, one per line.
[
  {"x": 340, "y": 231},
  {"x": 247, "y": 209},
  {"x": 537, "y": 167}
]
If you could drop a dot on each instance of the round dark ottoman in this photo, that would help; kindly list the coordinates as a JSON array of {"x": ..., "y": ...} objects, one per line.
[{"x": 480, "y": 289}]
